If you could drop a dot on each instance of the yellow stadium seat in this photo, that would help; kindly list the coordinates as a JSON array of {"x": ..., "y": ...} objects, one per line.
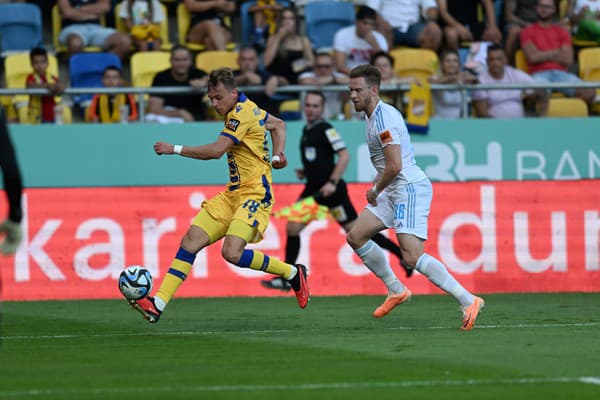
[
  {"x": 16, "y": 68},
  {"x": 145, "y": 64},
  {"x": 57, "y": 27},
  {"x": 211, "y": 60},
  {"x": 567, "y": 107},
  {"x": 183, "y": 26},
  {"x": 589, "y": 64},
  {"x": 164, "y": 27},
  {"x": 416, "y": 63},
  {"x": 521, "y": 61}
]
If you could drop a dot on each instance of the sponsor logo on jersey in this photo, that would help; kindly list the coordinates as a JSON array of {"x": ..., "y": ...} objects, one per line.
[{"x": 232, "y": 124}]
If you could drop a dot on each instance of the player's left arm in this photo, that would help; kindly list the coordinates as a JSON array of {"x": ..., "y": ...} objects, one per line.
[
  {"x": 277, "y": 129},
  {"x": 393, "y": 166},
  {"x": 209, "y": 151}
]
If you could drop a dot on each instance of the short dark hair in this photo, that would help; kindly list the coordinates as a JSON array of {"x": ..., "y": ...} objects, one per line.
[
  {"x": 111, "y": 68},
  {"x": 446, "y": 52},
  {"x": 385, "y": 54},
  {"x": 365, "y": 12},
  {"x": 178, "y": 47},
  {"x": 224, "y": 76},
  {"x": 494, "y": 47},
  {"x": 38, "y": 51},
  {"x": 370, "y": 73},
  {"x": 317, "y": 93}
]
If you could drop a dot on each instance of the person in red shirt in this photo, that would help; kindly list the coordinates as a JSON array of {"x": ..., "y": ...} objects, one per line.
[
  {"x": 549, "y": 52},
  {"x": 41, "y": 107}
]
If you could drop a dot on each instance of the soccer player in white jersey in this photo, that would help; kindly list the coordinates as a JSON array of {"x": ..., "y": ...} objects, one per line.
[{"x": 400, "y": 198}]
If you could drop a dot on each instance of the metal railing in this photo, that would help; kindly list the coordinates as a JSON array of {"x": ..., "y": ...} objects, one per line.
[{"x": 302, "y": 89}]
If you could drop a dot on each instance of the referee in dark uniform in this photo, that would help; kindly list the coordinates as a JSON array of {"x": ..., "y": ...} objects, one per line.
[
  {"x": 10, "y": 228},
  {"x": 319, "y": 146}
]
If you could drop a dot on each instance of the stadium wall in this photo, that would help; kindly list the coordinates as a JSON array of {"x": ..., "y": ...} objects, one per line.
[{"x": 97, "y": 199}]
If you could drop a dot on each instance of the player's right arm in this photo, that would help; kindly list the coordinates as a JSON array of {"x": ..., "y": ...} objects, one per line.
[
  {"x": 277, "y": 130},
  {"x": 209, "y": 151}
]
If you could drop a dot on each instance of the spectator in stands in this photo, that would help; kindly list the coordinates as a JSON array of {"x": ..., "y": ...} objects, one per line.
[
  {"x": 81, "y": 27},
  {"x": 354, "y": 45},
  {"x": 408, "y": 22},
  {"x": 41, "y": 107},
  {"x": 322, "y": 74},
  {"x": 250, "y": 73},
  {"x": 461, "y": 23},
  {"x": 207, "y": 25},
  {"x": 447, "y": 104},
  {"x": 384, "y": 62},
  {"x": 111, "y": 108},
  {"x": 549, "y": 52},
  {"x": 518, "y": 14},
  {"x": 585, "y": 17},
  {"x": 167, "y": 108},
  {"x": 505, "y": 103},
  {"x": 264, "y": 15},
  {"x": 288, "y": 53},
  {"x": 142, "y": 19}
]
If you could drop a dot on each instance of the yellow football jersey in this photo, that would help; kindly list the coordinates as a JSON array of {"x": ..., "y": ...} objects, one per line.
[{"x": 249, "y": 158}]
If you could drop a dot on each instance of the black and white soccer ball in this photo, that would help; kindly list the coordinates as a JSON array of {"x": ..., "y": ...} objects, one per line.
[{"x": 135, "y": 282}]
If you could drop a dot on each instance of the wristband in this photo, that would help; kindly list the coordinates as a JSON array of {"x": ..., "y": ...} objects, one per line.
[
  {"x": 374, "y": 189},
  {"x": 177, "y": 149},
  {"x": 275, "y": 158},
  {"x": 333, "y": 181}
]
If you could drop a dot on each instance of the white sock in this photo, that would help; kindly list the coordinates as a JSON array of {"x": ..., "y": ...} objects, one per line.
[
  {"x": 440, "y": 277},
  {"x": 159, "y": 303},
  {"x": 374, "y": 258}
]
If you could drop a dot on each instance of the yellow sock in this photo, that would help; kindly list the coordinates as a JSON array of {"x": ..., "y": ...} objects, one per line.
[
  {"x": 180, "y": 268},
  {"x": 254, "y": 259}
]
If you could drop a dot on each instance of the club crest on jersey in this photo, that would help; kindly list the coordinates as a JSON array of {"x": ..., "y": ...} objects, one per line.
[
  {"x": 238, "y": 108},
  {"x": 385, "y": 137},
  {"x": 310, "y": 153},
  {"x": 232, "y": 124}
]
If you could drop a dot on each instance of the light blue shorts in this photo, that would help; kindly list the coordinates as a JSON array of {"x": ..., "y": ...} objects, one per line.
[
  {"x": 406, "y": 210},
  {"x": 91, "y": 34},
  {"x": 557, "y": 76}
]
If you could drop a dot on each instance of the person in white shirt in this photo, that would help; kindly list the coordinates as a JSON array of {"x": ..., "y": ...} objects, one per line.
[
  {"x": 506, "y": 103},
  {"x": 400, "y": 198},
  {"x": 354, "y": 45},
  {"x": 408, "y": 22}
]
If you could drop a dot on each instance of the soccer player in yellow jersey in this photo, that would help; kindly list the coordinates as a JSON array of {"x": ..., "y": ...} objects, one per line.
[{"x": 241, "y": 212}]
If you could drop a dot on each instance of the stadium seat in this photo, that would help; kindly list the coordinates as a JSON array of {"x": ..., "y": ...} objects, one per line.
[
  {"x": 567, "y": 107},
  {"x": 17, "y": 67},
  {"x": 85, "y": 71},
  {"x": 20, "y": 27},
  {"x": 145, "y": 64},
  {"x": 589, "y": 68},
  {"x": 416, "y": 63},
  {"x": 247, "y": 21},
  {"x": 521, "y": 61},
  {"x": 57, "y": 27},
  {"x": 211, "y": 60},
  {"x": 290, "y": 110},
  {"x": 164, "y": 27},
  {"x": 324, "y": 18}
]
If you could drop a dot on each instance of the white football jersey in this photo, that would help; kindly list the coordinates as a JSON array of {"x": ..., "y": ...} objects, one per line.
[{"x": 386, "y": 126}]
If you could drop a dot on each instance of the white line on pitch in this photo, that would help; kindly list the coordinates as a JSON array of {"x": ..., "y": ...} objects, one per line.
[{"x": 306, "y": 386}]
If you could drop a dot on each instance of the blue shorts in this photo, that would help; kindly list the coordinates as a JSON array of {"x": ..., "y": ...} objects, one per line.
[
  {"x": 410, "y": 37},
  {"x": 91, "y": 34},
  {"x": 557, "y": 76}
]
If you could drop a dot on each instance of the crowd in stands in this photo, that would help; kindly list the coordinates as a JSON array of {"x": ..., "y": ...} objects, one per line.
[{"x": 275, "y": 44}]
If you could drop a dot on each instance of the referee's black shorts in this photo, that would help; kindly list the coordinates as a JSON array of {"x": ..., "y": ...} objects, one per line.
[{"x": 339, "y": 204}]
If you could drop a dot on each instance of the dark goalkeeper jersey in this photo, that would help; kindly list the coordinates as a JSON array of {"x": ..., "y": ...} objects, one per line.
[{"x": 318, "y": 145}]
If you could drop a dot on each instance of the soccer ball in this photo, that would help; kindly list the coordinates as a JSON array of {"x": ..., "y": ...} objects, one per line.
[{"x": 135, "y": 282}]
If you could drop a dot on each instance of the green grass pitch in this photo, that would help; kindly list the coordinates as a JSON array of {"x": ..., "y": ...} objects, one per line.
[{"x": 525, "y": 346}]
